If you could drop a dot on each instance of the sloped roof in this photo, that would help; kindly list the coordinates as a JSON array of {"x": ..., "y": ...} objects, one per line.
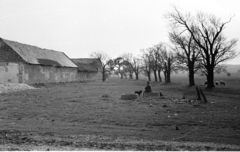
[
  {"x": 36, "y": 55},
  {"x": 87, "y": 64},
  {"x": 86, "y": 67}
]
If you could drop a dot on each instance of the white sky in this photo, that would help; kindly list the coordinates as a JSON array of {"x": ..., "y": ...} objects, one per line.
[{"x": 79, "y": 27}]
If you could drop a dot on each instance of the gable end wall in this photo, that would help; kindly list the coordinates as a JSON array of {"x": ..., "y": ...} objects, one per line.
[{"x": 7, "y": 54}]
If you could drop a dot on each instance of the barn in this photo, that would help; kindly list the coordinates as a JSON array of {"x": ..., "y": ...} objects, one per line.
[
  {"x": 22, "y": 63},
  {"x": 88, "y": 69}
]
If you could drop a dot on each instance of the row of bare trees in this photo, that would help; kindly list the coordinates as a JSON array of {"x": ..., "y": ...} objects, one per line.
[
  {"x": 157, "y": 59},
  {"x": 197, "y": 46}
]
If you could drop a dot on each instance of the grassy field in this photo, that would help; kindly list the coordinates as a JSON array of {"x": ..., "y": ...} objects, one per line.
[{"x": 76, "y": 116}]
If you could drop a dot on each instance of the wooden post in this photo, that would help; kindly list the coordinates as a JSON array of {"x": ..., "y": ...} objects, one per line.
[
  {"x": 198, "y": 94},
  {"x": 204, "y": 97}
]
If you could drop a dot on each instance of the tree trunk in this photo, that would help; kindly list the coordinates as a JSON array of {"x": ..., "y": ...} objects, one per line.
[
  {"x": 125, "y": 75},
  {"x": 191, "y": 75},
  {"x": 165, "y": 72},
  {"x": 169, "y": 71},
  {"x": 159, "y": 76},
  {"x": 155, "y": 75},
  {"x": 103, "y": 75},
  {"x": 130, "y": 76},
  {"x": 165, "y": 76},
  {"x": 136, "y": 74},
  {"x": 121, "y": 75},
  {"x": 191, "y": 79},
  {"x": 149, "y": 76},
  {"x": 210, "y": 78},
  {"x": 168, "y": 76},
  {"x": 119, "y": 71}
]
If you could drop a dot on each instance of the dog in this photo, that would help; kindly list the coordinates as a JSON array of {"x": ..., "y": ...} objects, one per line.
[{"x": 138, "y": 92}]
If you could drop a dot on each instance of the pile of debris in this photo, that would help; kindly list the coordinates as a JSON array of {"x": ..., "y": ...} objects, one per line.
[
  {"x": 180, "y": 101},
  {"x": 201, "y": 98},
  {"x": 11, "y": 87}
]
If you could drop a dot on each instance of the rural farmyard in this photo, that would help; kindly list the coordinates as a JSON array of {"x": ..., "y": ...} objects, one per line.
[{"x": 119, "y": 75}]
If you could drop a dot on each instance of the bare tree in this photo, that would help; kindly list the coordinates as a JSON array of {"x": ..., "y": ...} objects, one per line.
[
  {"x": 136, "y": 64},
  {"x": 106, "y": 63},
  {"x": 146, "y": 64},
  {"x": 206, "y": 31},
  {"x": 159, "y": 62},
  {"x": 124, "y": 71},
  {"x": 133, "y": 64},
  {"x": 187, "y": 54},
  {"x": 170, "y": 64},
  {"x": 136, "y": 67},
  {"x": 154, "y": 55},
  {"x": 118, "y": 63}
]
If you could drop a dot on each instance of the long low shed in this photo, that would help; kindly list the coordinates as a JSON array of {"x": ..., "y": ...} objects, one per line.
[
  {"x": 88, "y": 68},
  {"x": 22, "y": 63}
]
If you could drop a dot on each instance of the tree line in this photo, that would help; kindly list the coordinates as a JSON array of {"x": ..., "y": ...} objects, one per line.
[{"x": 197, "y": 45}]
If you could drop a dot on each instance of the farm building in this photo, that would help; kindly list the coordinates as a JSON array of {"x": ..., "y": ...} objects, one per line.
[
  {"x": 22, "y": 63},
  {"x": 88, "y": 69}
]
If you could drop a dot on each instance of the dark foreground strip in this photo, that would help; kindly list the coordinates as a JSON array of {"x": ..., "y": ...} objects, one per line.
[{"x": 18, "y": 138}]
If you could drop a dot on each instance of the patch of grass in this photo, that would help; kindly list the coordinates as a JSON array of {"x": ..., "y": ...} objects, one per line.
[{"x": 81, "y": 109}]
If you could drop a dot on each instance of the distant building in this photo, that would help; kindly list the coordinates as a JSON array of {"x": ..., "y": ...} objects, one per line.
[
  {"x": 22, "y": 63},
  {"x": 88, "y": 69}
]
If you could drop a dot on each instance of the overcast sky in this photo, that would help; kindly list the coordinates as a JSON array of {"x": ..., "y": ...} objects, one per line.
[{"x": 79, "y": 27}]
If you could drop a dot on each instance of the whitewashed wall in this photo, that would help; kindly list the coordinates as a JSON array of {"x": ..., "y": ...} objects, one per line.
[{"x": 9, "y": 72}]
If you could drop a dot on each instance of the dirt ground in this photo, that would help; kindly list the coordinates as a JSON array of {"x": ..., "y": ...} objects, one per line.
[
  {"x": 11, "y": 87},
  {"x": 76, "y": 116}
]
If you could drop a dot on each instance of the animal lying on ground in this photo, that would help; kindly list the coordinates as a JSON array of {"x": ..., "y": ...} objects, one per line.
[
  {"x": 217, "y": 83},
  {"x": 138, "y": 92},
  {"x": 222, "y": 83}
]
